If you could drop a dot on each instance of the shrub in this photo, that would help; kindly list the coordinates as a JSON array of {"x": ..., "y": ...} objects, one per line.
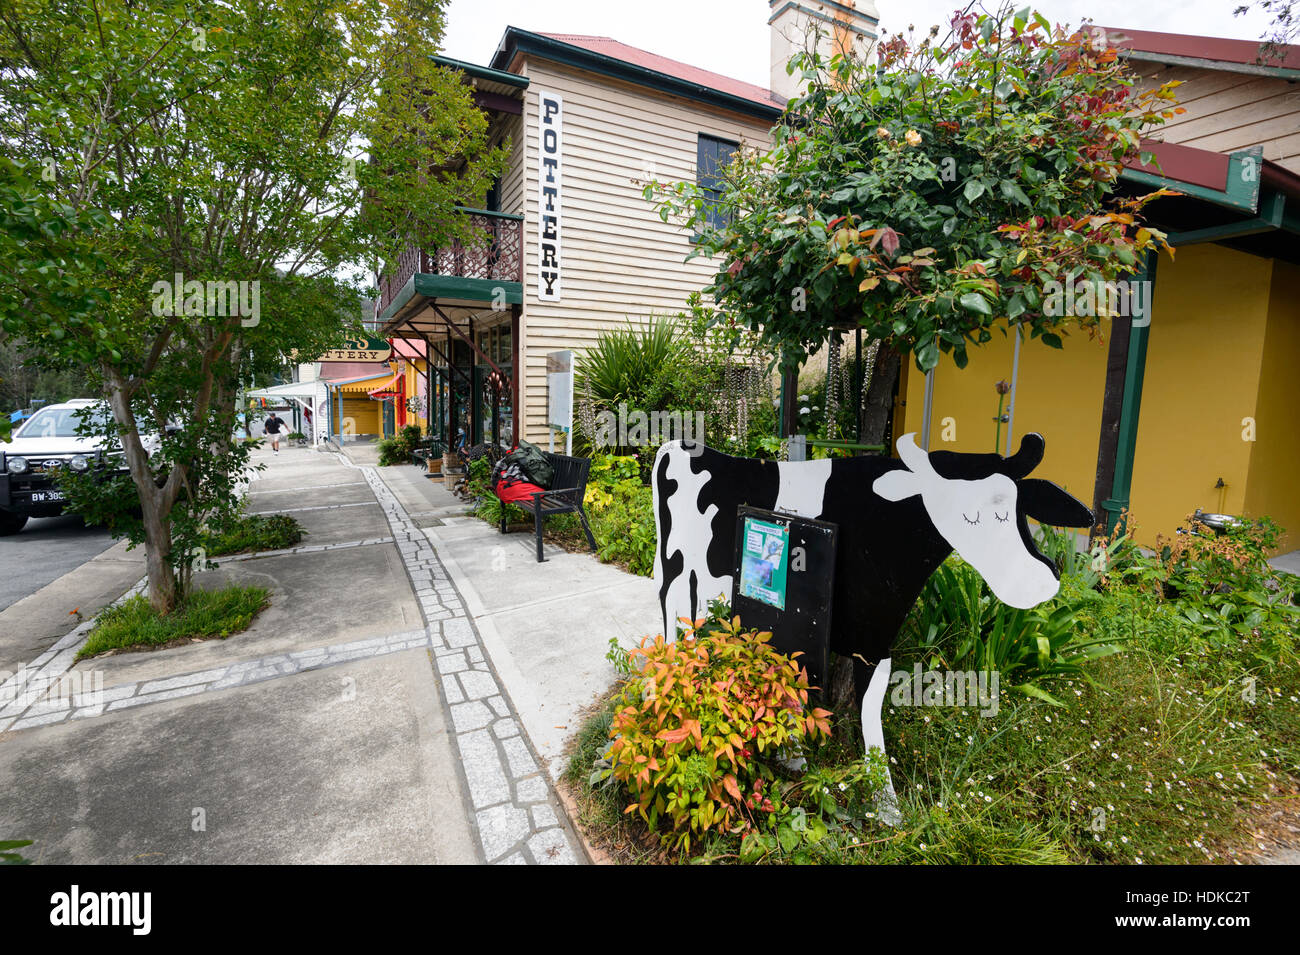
[
  {"x": 963, "y": 627},
  {"x": 625, "y": 529},
  {"x": 252, "y": 532},
  {"x": 393, "y": 450},
  {"x": 697, "y": 732}
]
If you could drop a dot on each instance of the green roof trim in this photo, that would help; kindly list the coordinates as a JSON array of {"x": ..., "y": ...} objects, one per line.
[
  {"x": 522, "y": 41},
  {"x": 398, "y": 303},
  {"x": 1198, "y": 192},
  {"x": 483, "y": 72}
]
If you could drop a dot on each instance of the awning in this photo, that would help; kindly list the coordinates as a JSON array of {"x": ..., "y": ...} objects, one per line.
[
  {"x": 361, "y": 386},
  {"x": 386, "y": 389},
  {"x": 302, "y": 390}
]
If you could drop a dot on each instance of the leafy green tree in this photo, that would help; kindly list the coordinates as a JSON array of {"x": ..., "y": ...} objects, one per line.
[
  {"x": 224, "y": 164},
  {"x": 929, "y": 195}
]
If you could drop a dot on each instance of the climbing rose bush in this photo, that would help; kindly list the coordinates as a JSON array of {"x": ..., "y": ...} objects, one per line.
[{"x": 929, "y": 193}]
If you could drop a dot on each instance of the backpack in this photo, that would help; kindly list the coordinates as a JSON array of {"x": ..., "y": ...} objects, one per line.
[{"x": 530, "y": 460}]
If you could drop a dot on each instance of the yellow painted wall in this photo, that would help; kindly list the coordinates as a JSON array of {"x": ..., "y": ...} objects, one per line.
[
  {"x": 1224, "y": 338},
  {"x": 1202, "y": 377},
  {"x": 1058, "y": 394},
  {"x": 363, "y": 415},
  {"x": 1273, "y": 488}
]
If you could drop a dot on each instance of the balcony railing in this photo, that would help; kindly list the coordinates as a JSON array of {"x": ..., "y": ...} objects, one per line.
[{"x": 494, "y": 252}]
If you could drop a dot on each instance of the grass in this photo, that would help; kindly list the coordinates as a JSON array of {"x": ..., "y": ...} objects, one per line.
[
  {"x": 1172, "y": 752},
  {"x": 204, "y": 614},
  {"x": 255, "y": 532}
]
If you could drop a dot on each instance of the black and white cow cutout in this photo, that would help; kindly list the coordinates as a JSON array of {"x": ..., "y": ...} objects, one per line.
[{"x": 898, "y": 520}]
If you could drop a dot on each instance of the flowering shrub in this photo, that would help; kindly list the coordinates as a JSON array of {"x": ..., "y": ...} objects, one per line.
[{"x": 696, "y": 731}]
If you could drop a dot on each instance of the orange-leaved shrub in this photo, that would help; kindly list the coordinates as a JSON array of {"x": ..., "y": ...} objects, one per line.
[{"x": 703, "y": 721}]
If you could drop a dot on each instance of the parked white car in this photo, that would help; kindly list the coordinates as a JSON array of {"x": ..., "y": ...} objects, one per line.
[{"x": 42, "y": 446}]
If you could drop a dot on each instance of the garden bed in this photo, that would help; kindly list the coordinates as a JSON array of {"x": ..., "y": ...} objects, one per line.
[
  {"x": 1180, "y": 744},
  {"x": 202, "y": 615}
]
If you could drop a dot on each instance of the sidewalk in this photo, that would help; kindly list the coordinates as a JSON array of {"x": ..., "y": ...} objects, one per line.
[
  {"x": 357, "y": 720},
  {"x": 546, "y": 626}
]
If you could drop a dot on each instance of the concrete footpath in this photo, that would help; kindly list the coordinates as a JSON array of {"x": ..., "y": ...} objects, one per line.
[
  {"x": 546, "y": 626},
  {"x": 364, "y": 716}
]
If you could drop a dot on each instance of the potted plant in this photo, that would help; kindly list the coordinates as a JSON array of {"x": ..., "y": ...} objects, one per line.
[{"x": 435, "y": 459}]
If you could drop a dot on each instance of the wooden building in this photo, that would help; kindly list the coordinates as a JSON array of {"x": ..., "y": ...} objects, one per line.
[{"x": 568, "y": 244}]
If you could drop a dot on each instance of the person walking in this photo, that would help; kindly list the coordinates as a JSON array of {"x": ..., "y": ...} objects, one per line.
[{"x": 272, "y": 427}]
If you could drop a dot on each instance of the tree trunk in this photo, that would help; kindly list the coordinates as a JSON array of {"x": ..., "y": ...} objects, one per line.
[
  {"x": 879, "y": 404},
  {"x": 163, "y": 590},
  {"x": 155, "y": 508}
]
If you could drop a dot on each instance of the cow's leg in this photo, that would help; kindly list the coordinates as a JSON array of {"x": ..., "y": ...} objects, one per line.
[{"x": 873, "y": 735}]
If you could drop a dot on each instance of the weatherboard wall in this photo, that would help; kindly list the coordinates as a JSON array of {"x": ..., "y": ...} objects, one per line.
[{"x": 620, "y": 261}]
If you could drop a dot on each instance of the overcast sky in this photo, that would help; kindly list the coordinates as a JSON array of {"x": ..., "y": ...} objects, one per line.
[{"x": 731, "y": 36}]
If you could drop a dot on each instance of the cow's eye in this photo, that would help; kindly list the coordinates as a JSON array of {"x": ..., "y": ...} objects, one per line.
[
  {"x": 968, "y": 520},
  {"x": 1002, "y": 517}
]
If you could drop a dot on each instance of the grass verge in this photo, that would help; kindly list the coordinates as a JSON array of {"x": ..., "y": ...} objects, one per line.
[{"x": 205, "y": 614}]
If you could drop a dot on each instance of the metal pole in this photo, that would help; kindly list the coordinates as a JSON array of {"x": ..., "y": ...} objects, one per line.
[
  {"x": 1011, "y": 410},
  {"x": 927, "y": 409}
]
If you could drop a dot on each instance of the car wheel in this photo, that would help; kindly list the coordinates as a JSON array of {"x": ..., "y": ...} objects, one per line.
[{"x": 11, "y": 523}]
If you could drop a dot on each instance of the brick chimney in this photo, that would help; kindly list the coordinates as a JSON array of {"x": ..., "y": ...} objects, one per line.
[{"x": 846, "y": 24}]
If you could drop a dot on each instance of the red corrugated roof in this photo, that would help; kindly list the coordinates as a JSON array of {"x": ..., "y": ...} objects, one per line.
[
  {"x": 606, "y": 46},
  {"x": 1200, "y": 47}
]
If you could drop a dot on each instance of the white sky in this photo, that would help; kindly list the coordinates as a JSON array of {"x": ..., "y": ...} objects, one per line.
[{"x": 731, "y": 36}]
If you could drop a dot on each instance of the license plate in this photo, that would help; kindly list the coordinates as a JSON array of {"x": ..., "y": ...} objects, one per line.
[{"x": 41, "y": 496}]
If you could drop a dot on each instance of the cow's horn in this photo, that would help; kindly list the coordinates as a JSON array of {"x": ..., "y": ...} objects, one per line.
[
  {"x": 918, "y": 461},
  {"x": 1027, "y": 458}
]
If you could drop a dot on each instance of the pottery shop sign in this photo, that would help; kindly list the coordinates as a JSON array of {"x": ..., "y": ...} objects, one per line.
[
  {"x": 550, "y": 170},
  {"x": 359, "y": 349}
]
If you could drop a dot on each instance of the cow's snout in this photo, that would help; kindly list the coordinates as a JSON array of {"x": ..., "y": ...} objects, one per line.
[{"x": 1023, "y": 584}]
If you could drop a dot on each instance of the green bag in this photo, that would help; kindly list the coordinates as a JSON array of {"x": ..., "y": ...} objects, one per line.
[{"x": 533, "y": 463}]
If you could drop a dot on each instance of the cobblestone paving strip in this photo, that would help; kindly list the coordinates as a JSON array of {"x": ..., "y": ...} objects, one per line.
[
  {"x": 510, "y": 794},
  {"x": 56, "y": 705},
  {"x": 19, "y": 691},
  {"x": 314, "y": 487},
  {"x": 318, "y": 507},
  {"x": 304, "y": 549}
]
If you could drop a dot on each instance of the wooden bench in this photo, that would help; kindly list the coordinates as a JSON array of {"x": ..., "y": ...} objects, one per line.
[{"x": 570, "y": 487}]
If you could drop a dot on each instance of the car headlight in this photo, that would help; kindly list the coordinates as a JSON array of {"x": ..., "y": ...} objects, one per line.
[
  {"x": 79, "y": 462},
  {"x": 17, "y": 465}
]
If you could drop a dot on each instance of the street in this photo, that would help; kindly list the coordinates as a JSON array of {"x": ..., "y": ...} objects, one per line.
[{"x": 43, "y": 551}]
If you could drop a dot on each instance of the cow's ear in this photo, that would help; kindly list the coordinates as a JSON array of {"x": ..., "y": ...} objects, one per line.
[
  {"x": 1049, "y": 504},
  {"x": 897, "y": 484}
]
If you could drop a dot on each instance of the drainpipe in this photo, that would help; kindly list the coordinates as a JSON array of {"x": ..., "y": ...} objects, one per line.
[{"x": 1134, "y": 374}]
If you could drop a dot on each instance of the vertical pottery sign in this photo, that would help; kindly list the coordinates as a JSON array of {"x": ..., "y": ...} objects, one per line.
[{"x": 550, "y": 152}]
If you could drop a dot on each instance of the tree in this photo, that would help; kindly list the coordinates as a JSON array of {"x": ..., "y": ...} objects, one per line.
[
  {"x": 1283, "y": 28},
  {"x": 221, "y": 150},
  {"x": 929, "y": 195}
]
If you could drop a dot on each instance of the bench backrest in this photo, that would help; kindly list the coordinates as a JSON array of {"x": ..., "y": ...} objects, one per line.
[{"x": 569, "y": 472}]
